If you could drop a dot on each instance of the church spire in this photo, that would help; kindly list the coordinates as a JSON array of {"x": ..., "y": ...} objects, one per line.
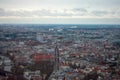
[{"x": 56, "y": 66}]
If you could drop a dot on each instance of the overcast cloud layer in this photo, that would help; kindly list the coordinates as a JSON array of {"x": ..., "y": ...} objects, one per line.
[
  {"x": 54, "y": 13},
  {"x": 58, "y": 10}
]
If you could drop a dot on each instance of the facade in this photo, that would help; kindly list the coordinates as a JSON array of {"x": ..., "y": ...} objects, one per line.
[{"x": 40, "y": 38}]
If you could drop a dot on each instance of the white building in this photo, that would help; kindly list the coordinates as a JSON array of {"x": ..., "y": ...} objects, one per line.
[
  {"x": 29, "y": 74},
  {"x": 40, "y": 37}
]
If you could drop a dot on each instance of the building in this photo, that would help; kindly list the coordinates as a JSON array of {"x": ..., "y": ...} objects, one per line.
[
  {"x": 40, "y": 38},
  {"x": 32, "y": 75},
  {"x": 56, "y": 66},
  {"x": 38, "y": 57}
]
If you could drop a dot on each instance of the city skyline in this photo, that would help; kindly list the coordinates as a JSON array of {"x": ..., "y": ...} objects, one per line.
[{"x": 60, "y": 11}]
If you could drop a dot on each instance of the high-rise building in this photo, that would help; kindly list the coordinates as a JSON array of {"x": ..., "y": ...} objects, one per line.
[{"x": 40, "y": 37}]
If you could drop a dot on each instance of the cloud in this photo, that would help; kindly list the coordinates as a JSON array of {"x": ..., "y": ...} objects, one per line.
[
  {"x": 42, "y": 12},
  {"x": 79, "y": 9},
  {"x": 54, "y": 13},
  {"x": 14, "y": 13},
  {"x": 102, "y": 13},
  {"x": 2, "y": 12}
]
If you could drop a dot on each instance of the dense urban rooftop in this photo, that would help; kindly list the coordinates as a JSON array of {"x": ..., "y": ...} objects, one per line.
[{"x": 28, "y": 52}]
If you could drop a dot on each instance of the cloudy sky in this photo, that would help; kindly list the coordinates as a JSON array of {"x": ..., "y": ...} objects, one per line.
[{"x": 60, "y": 11}]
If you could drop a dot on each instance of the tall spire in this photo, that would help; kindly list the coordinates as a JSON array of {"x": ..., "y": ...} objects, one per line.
[{"x": 56, "y": 66}]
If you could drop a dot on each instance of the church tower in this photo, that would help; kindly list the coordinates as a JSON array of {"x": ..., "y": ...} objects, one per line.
[{"x": 56, "y": 63}]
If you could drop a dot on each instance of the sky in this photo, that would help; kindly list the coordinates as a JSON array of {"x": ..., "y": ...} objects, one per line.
[{"x": 60, "y": 11}]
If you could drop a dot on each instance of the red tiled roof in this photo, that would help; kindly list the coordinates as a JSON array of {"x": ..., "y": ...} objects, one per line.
[{"x": 42, "y": 56}]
